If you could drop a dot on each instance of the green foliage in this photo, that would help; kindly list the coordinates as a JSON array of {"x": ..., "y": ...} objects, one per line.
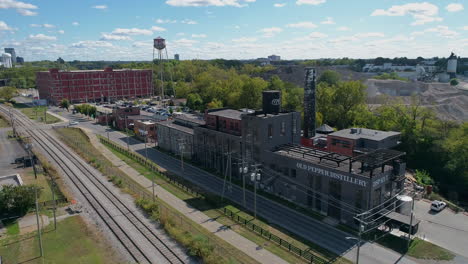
[
  {"x": 194, "y": 101},
  {"x": 17, "y": 200},
  {"x": 423, "y": 177},
  {"x": 7, "y": 92},
  {"x": 454, "y": 82},
  {"x": 329, "y": 77},
  {"x": 22, "y": 77},
  {"x": 86, "y": 109},
  {"x": 390, "y": 76},
  {"x": 215, "y": 104},
  {"x": 340, "y": 105},
  {"x": 65, "y": 104}
]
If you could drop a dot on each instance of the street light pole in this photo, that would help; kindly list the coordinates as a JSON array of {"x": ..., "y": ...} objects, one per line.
[
  {"x": 411, "y": 224},
  {"x": 38, "y": 225}
]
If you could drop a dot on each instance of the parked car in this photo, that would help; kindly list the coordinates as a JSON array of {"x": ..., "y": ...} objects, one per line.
[
  {"x": 73, "y": 123},
  {"x": 438, "y": 206}
]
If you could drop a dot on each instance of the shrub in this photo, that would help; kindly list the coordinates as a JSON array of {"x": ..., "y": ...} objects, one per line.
[{"x": 454, "y": 82}]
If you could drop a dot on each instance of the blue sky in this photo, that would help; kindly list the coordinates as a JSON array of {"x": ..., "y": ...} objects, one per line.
[{"x": 233, "y": 29}]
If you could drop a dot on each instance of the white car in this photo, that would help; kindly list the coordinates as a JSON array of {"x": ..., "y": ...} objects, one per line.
[
  {"x": 438, "y": 206},
  {"x": 72, "y": 123}
]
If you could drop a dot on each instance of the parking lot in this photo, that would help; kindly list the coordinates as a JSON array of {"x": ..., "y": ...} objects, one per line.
[{"x": 10, "y": 149}]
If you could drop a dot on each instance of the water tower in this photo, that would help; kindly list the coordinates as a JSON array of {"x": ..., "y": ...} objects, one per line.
[
  {"x": 160, "y": 45},
  {"x": 452, "y": 66}
]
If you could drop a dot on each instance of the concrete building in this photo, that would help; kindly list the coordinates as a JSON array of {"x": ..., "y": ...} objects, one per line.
[
  {"x": 177, "y": 135},
  {"x": 19, "y": 60},
  {"x": 12, "y": 52},
  {"x": 238, "y": 143},
  {"x": 274, "y": 58},
  {"x": 6, "y": 60},
  {"x": 356, "y": 141},
  {"x": 145, "y": 129},
  {"x": 93, "y": 85}
]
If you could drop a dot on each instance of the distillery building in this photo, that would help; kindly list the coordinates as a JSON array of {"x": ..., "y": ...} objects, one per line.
[
  {"x": 93, "y": 85},
  {"x": 357, "y": 170}
]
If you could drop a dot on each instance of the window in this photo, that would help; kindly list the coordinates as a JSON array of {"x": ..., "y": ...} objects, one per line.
[
  {"x": 270, "y": 130},
  {"x": 293, "y": 173},
  {"x": 294, "y": 125},
  {"x": 283, "y": 129}
]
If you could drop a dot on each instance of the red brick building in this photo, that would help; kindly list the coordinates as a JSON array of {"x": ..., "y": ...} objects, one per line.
[{"x": 93, "y": 85}]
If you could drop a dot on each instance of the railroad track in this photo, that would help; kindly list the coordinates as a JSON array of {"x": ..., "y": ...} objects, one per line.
[{"x": 89, "y": 186}]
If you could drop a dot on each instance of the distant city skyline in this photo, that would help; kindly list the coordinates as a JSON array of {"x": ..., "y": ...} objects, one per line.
[{"x": 233, "y": 29}]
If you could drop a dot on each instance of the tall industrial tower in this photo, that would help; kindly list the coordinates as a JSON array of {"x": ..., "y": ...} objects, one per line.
[
  {"x": 160, "y": 45},
  {"x": 309, "y": 103}
]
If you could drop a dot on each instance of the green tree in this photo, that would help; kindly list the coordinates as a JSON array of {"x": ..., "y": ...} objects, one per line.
[
  {"x": 17, "y": 200},
  {"x": 7, "y": 92},
  {"x": 194, "y": 101},
  {"x": 454, "y": 82},
  {"x": 65, "y": 104},
  {"x": 215, "y": 104},
  {"x": 456, "y": 145},
  {"x": 329, "y": 77}
]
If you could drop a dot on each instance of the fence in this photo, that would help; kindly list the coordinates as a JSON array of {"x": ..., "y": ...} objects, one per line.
[
  {"x": 281, "y": 242},
  {"x": 174, "y": 180},
  {"x": 183, "y": 223}
]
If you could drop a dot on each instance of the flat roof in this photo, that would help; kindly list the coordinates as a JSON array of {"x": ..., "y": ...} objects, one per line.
[
  {"x": 171, "y": 124},
  {"x": 228, "y": 113},
  {"x": 357, "y": 133},
  {"x": 193, "y": 119}
]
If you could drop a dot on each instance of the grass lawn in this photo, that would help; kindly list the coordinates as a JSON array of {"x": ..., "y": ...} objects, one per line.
[
  {"x": 215, "y": 211},
  {"x": 72, "y": 242},
  {"x": 37, "y": 113},
  {"x": 79, "y": 142},
  {"x": 418, "y": 248}
]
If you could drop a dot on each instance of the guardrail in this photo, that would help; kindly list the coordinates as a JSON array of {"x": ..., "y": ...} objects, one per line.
[{"x": 311, "y": 258}]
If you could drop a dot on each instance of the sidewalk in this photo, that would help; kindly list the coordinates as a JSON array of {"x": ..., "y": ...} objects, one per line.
[{"x": 248, "y": 247}]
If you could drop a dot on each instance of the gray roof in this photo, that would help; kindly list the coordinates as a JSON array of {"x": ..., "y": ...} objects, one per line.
[
  {"x": 228, "y": 113},
  {"x": 190, "y": 119},
  {"x": 325, "y": 128},
  {"x": 364, "y": 133},
  {"x": 171, "y": 124}
]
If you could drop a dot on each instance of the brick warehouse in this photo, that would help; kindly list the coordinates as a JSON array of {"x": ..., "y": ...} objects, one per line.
[{"x": 93, "y": 85}]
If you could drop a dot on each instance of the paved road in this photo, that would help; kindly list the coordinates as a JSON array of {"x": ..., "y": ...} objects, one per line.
[
  {"x": 446, "y": 229},
  {"x": 9, "y": 150},
  {"x": 311, "y": 229}
]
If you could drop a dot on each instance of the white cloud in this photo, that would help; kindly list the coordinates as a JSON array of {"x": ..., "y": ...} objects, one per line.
[
  {"x": 142, "y": 44},
  {"x": 328, "y": 21},
  {"x": 112, "y": 37},
  {"x": 42, "y": 25},
  {"x": 61, "y": 31},
  {"x": 91, "y": 44},
  {"x": 102, "y": 7},
  {"x": 370, "y": 35},
  {"x": 315, "y": 35},
  {"x": 185, "y": 42},
  {"x": 454, "y": 7},
  {"x": 180, "y": 34},
  {"x": 244, "y": 39},
  {"x": 158, "y": 29},
  {"x": 165, "y": 21},
  {"x": 441, "y": 31},
  {"x": 75, "y": 23},
  {"x": 279, "y": 4},
  {"x": 131, "y": 32},
  {"x": 42, "y": 37},
  {"x": 310, "y": 2},
  {"x": 199, "y": 36},
  {"x": 26, "y": 12},
  {"x": 4, "y": 26},
  {"x": 21, "y": 7},
  {"x": 422, "y": 13},
  {"x": 236, "y": 3},
  {"x": 189, "y": 22},
  {"x": 304, "y": 24},
  {"x": 270, "y": 32},
  {"x": 465, "y": 28},
  {"x": 343, "y": 29}
]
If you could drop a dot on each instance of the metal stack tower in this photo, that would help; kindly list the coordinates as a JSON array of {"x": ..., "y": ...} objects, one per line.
[{"x": 309, "y": 103}]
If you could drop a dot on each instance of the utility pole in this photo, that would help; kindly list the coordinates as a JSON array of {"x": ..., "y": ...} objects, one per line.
[
  {"x": 411, "y": 224},
  {"x": 243, "y": 170},
  {"x": 181, "y": 150},
  {"x": 107, "y": 126},
  {"x": 55, "y": 202},
  {"x": 255, "y": 177},
  {"x": 126, "y": 130},
  {"x": 38, "y": 224},
  {"x": 226, "y": 173}
]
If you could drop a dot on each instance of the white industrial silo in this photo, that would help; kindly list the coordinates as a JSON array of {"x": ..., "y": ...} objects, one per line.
[
  {"x": 403, "y": 204},
  {"x": 6, "y": 60},
  {"x": 452, "y": 65}
]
